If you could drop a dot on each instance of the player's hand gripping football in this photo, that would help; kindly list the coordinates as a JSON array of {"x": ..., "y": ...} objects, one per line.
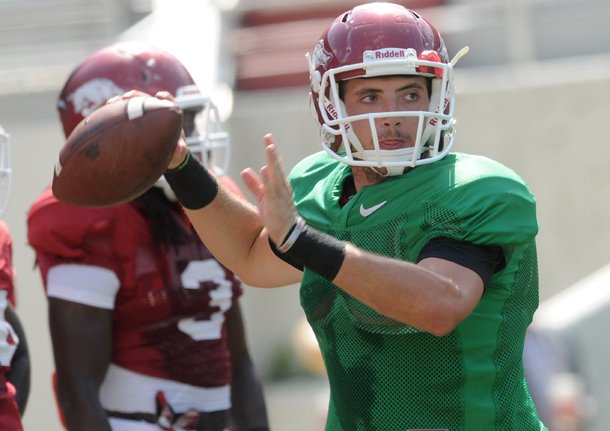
[
  {"x": 181, "y": 147},
  {"x": 269, "y": 186}
]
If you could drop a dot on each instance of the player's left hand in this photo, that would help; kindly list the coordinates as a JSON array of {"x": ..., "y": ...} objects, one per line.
[{"x": 273, "y": 193}]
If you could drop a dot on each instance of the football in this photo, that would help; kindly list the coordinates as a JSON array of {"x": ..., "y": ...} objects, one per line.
[{"x": 117, "y": 152}]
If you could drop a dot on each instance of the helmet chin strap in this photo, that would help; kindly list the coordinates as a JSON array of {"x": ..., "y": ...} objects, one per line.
[
  {"x": 390, "y": 171},
  {"x": 403, "y": 155}
]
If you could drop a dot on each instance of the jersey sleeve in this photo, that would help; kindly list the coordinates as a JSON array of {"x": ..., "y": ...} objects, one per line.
[
  {"x": 66, "y": 234},
  {"x": 495, "y": 208},
  {"x": 66, "y": 281},
  {"x": 506, "y": 214},
  {"x": 489, "y": 205}
]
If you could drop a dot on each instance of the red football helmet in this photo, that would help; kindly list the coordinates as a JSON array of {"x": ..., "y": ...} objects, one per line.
[
  {"x": 125, "y": 66},
  {"x": 6, "y": 173},
  {"x": 382, "y": 39}
]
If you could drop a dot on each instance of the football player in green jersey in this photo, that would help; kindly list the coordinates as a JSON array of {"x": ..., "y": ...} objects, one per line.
[{"x": 417, "y": 265}]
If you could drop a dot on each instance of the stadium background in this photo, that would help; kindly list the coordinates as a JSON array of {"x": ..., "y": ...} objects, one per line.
[{"x": 533, "y": 94}]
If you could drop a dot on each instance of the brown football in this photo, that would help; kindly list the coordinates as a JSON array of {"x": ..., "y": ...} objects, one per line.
[{"x": 117, "y": 152}]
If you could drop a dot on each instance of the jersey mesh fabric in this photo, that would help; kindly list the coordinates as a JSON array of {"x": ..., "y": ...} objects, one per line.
[{"x": 385, "y": 375}]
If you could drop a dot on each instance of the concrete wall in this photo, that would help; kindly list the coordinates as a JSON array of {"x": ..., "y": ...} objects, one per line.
[{"x": 549, "y": 123}]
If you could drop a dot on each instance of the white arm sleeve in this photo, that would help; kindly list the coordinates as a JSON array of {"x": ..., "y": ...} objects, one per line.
[{"x": 85, "y": 284}]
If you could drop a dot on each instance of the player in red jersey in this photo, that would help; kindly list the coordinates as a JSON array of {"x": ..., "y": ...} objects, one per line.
[
  {"x": 146, "y": 327},
  {"x": 14, "y": 355}
]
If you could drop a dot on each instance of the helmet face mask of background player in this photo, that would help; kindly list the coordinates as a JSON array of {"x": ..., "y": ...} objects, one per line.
[
  {"x": 202, "y": 124},
  {"x": 118, "y": 68},
  {"x": 6, "y": 172},
  {"x": 379, "y": 40}
]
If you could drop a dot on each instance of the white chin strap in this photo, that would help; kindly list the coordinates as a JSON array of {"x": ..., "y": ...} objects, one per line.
[{"x": 395, "y": 161}]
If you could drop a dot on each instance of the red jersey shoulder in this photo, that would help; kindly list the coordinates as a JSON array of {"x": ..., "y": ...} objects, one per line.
[{"x": 72, "y": 234}]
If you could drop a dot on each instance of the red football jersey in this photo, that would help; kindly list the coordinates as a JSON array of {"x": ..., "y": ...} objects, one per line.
[{"x": 169, "y": 309}]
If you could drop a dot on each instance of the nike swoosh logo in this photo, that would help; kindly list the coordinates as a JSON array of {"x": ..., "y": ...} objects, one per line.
[{"x": 365, "y": 212}]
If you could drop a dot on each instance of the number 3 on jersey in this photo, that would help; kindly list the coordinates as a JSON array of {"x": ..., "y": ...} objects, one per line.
[{"x": 196, "y": 273}]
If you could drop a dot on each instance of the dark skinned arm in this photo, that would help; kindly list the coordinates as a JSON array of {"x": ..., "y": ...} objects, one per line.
[
  {"x": 19, "y": 373},
  {"x": 249, "y": 410},
  {"x": 82, "y": 345}
]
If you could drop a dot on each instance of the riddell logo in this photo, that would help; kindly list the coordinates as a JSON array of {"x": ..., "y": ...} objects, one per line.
[
  {"x": 392, "y": 53},
  {"x": 331, "y": 109},
  {"x": 389, "y": 54}
]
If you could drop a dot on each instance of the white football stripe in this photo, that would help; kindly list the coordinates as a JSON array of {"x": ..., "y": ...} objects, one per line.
[{"x": 135, "y": 107}]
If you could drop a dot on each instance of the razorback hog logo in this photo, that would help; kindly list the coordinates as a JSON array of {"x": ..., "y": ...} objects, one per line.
[
  {"x": 320, "y": 56},
  {"x": 93, "y": 94}
]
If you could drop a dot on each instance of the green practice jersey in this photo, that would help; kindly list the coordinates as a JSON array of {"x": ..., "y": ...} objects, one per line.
[{"x": 388, "y": 376}]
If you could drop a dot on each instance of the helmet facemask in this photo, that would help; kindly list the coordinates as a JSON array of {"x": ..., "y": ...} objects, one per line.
[
  {"x": 434, "y": 135},
  {"x": 208, "y": 141},
  {"x": 206, "y": 138}
]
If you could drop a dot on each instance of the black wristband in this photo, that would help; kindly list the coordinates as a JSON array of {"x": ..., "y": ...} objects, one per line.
[
  {"x": 321, "y": 253},
  {"x": 298, "y": 265},
  {"x": 193, "y": 185}
]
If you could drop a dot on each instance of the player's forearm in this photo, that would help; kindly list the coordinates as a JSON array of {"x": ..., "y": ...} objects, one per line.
[
  {"x": 19, "y": 376},
  {"x": 248, "y": 411},
  {"x": 402, "y": 291},
  {"x": 434, "y": 295},
  {"x": 231, "y": 229},
  {"x": 85, "y": 418},
  {"x": 229, "y": 226},
  {"x": 19, "y": 373},
  {"x": 81, "y": 408}
]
